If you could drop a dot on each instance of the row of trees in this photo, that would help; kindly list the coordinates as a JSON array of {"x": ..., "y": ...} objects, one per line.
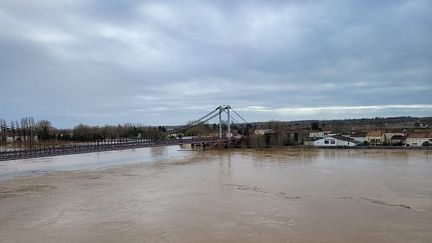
[
  {"x": 278, "y": 139},
  {"x": 29, "y": 130},
  {"x": 25, "y": 130},
  {"x": 90, "y": 133}
]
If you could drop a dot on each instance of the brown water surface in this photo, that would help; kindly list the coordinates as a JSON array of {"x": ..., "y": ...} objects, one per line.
[{"x": 278, "y": 195}]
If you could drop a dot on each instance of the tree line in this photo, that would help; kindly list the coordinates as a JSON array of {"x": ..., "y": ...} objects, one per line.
[
  {"x": 25, "y": 130},
  {"x": 29, "y": 130}
]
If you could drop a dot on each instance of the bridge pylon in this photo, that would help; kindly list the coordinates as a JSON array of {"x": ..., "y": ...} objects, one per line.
[{"x": 226, "y": 109}]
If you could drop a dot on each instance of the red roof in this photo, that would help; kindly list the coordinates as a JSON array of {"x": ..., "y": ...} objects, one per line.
[
  {"x": 419, "y": 135},
  {"x": 375, "y": 134}
]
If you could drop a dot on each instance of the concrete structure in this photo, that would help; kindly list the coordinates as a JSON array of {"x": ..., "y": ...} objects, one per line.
[
  {"x": 333, "y": 141},
  {"x": 389, "y": 135},
  {"x": 418, "y": 139},
  {"x": 397, "y": 140},
  {"x": 295, "y": 137},
  {"x": 375, "y": 138}
]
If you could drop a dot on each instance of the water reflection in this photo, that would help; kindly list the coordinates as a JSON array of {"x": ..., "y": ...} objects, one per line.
[
  {"x": 274, "y": 195},
  {"x": 291, "y": 155},
  {"x": 90, "y": 161},
  {"x": 159, "y": 152}
]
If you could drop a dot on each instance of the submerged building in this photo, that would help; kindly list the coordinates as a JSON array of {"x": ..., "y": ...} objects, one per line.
[{"x": 335, "y": 141}]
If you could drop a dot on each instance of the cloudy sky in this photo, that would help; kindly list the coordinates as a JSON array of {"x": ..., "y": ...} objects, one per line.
[{"x": 168, "y": 62}]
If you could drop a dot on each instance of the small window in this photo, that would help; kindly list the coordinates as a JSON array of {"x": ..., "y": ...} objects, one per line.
[
  {"x": 326, "y": 142},
  {"x": 333, "y": 142}
]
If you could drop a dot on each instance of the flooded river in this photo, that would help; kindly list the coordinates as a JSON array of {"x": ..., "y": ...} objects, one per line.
[{"x": 166, "y": 195}]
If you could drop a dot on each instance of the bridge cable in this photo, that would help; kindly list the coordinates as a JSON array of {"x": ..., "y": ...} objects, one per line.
[
  {"x": 240, "y": 116},
  {"x": 195, "y": 123},
  {"x": 200, "y": 121}
]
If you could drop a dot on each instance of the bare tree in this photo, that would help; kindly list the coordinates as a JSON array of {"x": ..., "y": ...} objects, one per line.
[{"x": 43, "y": 129}]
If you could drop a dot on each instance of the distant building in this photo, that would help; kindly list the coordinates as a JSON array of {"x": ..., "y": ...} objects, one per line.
[
  {"x": 375, "y": 137},
  {"x": 359, "y": 137},
  {"x": 388, "y": 137},
  {"x": 397, "y": 140},
  {"x": 333, "y": 141},
  {"x": 21, "y": 138},
  {"x": 418, "y": 139},
  {"x": 316, "y": 134},
  {"x": 263, "y": 131}
]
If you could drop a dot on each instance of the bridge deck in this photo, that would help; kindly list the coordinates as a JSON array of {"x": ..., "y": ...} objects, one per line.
[{"x": 99, "y": 147}]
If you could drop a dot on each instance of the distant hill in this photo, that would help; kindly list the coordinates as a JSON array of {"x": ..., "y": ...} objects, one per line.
[{"x": 401, "y": 122}]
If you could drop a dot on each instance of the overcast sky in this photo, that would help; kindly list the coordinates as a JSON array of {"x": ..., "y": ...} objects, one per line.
[{"x": 168, "y": 62}]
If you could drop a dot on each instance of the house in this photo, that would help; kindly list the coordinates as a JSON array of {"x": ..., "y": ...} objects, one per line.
[
  {"x": 418, "y": 139},
  {"x": 398, "y": 140},
  {"x": 359, "y": 137},
  {"x": 375, "y": 137},
  {"x": 388, "y": 136},
  {"x": 335, "y": 140}
]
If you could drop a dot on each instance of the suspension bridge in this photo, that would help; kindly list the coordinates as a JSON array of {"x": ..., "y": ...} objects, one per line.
[{"x": 226, "y": 116}]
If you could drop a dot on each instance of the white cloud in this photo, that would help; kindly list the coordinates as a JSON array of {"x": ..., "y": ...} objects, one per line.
[{"x": 335, "y": 109}]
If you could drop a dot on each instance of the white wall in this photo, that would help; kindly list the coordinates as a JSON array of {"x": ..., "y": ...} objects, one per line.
[
  {"x": 332, "y": 142},
  {"x": 417, "y": 141},
  {"x": 359, "y": 139},
  {"x": 316, "y": 134}
]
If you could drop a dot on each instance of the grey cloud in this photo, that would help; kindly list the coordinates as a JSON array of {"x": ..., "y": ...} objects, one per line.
[{"x": 165, "y": 62}]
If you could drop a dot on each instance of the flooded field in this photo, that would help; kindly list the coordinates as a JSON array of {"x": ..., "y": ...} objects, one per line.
[{"x": 166, "y": 195}]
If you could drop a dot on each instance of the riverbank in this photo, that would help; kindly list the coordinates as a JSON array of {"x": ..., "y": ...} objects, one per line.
[
  {"x": 378, "y": 147},
  {"x": 270, "y": 195},
  {"x": 344, "y": 147}
]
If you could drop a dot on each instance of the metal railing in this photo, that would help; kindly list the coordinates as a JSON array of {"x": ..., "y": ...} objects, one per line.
[{"x": 24, "y": 153}]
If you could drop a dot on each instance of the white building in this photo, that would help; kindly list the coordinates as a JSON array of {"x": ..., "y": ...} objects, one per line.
[
  {"x": 333, "y": 141},
  {"x": 316, "y": 134},
  {"x": 375, "y": 137},
  {"x": 418, "y": 139},
  {"x": 263, "y": 131},
  {"x": 389, "y": 135}
]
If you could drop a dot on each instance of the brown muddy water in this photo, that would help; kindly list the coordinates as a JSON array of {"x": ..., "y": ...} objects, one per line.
[{"x": 166, "y": 195}]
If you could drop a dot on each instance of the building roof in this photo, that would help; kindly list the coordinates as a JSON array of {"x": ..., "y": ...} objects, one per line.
[
  {"x": 345, "y": 139},
  {"x": 359, "y": 134},
  {"x": 374, "y": 134},
  {"x": 339, "y": 137},
  {"x": 419, "y": 135}
]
